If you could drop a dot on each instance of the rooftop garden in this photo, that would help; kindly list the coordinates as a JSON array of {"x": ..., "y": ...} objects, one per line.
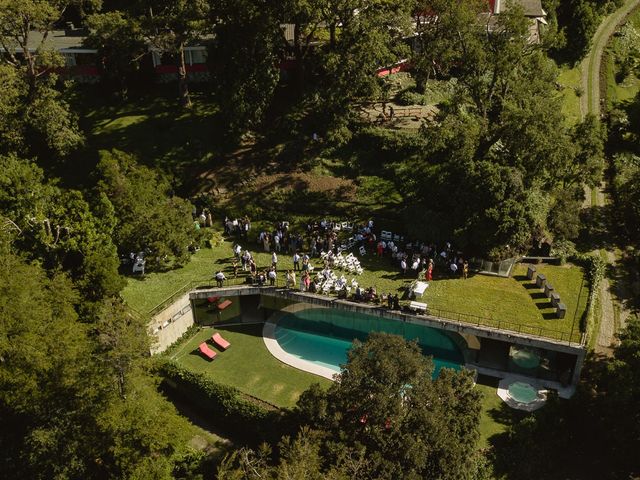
[{"x": 512, "y": 303}]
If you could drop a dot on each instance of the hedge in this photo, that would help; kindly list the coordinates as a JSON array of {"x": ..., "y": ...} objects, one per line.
[
  {"x": 595, "y": 269},
  {"x": 224, "y": 406}
]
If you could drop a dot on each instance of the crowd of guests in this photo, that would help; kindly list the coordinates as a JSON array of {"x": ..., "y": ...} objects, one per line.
[
  {"x": 413, "y": 258},
  {"x": 421, "y": 259}
]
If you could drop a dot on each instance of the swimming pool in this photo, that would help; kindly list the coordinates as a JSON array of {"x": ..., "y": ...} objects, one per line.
[
  {"x": 525, "y": 357},
  {"x": 324, "y": 336},
  {"x": 523, "y": 392}
]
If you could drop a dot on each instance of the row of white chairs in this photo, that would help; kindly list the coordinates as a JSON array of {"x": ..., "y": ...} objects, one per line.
[
  {"x": 333, "y": 283},
  {"x": 348, "y": 262},
  {"x": 385, "y": 235}
]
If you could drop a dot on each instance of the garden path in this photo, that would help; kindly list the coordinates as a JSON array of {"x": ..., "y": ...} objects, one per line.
[{"x": 591, "y": 103}]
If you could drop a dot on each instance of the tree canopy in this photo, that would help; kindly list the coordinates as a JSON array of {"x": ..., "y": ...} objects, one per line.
[
  {"x": 385, "y": 406},
  {"x": 149, "y": 217},
  {"x": 38, "y": 112}
]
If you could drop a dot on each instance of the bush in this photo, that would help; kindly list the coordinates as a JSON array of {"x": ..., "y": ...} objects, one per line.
[
  {"x": 409, "y": 97},
  {"x": 226, "y": 406},
  {"x": 563, "y": 249},
  {"x": 595, "y": 268}
]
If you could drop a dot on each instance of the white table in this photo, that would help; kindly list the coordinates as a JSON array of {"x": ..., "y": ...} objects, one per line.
[{"x": 419, "y": 288}]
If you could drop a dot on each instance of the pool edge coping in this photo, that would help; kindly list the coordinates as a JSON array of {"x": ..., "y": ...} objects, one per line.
[
  {"x": 269, "y": 338},
  {"x": 504, "y": 394}
]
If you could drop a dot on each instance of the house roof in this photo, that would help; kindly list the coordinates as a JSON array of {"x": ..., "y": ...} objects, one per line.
[
  {"x": 532, "y": 8},
  {"x": 58, "y": 39}
]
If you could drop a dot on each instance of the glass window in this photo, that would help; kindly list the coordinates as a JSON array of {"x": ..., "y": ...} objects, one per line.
[{"x": 199, "y": 56}]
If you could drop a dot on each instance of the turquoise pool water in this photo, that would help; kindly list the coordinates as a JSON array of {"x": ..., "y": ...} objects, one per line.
[
  {"x": 524, "y": 357},
  {"x": 324, "y": 336},
  {"x": 523, "y": 392}
]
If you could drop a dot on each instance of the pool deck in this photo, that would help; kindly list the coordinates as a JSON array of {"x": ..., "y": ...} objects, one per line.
[
  {"x": 564, "y": 391},
  {"x": 503, "y": 393},
  {"x": 269, "y": 337}
]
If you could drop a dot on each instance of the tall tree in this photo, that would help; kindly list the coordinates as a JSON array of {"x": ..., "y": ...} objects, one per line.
[
  {"x": 171, "y": 25},
  {"x": 64, "y": 412},
  {"x": 48, "y": 391},
  {"x": 499, "y": 142},
  {"x": 120, "y": 44},
  {"x": 371, "y": 37},
  {"x": 59, "y": 229},
  {"x": 244, "y": 61},
  {"x": 444, "y": 32},
  {"x": 299, "y": 458},
  {"x": 150, "y": 217},
  {"x": 25, "y": 28},
  {"x": 307, "y": 18},
  {"x": 385, "y": 403},
  {"x": 122, "y": 342}
]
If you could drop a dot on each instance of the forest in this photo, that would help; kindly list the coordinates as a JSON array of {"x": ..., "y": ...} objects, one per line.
[{"x": 496, "y": 167}]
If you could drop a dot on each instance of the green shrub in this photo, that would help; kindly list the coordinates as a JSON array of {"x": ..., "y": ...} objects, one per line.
[
  {"x": 409, "y": 97},
  {"x": 225, "y": 406},
  {"x": 563, "y": 249},
  {"x": 595, "y": 269}
]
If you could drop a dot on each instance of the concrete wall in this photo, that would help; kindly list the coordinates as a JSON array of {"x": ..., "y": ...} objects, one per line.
[
  {"x": 170, "y": 324},
  {"x": 475, "y": 335}
]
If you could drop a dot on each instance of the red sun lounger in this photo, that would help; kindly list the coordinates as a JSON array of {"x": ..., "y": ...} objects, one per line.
[
  {"x": 223, "y": 305},
  {"x": 206, "y": 351},
  {"x": 219, "y": 341}
]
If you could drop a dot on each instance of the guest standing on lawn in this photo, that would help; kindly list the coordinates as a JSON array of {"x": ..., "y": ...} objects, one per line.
[
  {"x": 220, "y": 278},
  {"x": 272, "y": 276},
  {"x": 429, "y": 275}
]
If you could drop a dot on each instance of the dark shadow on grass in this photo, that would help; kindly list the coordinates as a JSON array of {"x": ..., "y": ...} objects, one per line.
[
  {"x": 254, "y": 330},
  {"x": 550, "y": 316},
  {"x": 538, "y": 295},
  {"x": 530, "y": 286},
  {"x": 194, "y": 417},
  {"x": 544, "y": 305},
  {"x": 521, "y": 278},
  {"x": 196, "y": 353},
  {"x": 506, "y": 415},
  {"x": 394, "y": 276}
]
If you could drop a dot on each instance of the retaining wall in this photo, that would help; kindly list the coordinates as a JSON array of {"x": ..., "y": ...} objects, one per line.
[{"x": 167, "y": 326}]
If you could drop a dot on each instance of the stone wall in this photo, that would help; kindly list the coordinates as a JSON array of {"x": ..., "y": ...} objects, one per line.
[{"x": 169, "y": 325}]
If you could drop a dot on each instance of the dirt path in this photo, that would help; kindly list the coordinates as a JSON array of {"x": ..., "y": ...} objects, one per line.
[
  {"x": 591, "y": 102},
  {"x": 606, "y": 333},
  {"x": 590, "y": 67}
]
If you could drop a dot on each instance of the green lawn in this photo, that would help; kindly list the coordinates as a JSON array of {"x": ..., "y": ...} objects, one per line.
[
  {"x": 248, "y": 366},
  {"x": 570, "y": 80},
  {"x": 630, "y": 86},
  {"x": 494, "y": 301},
  {"x": 619, "y": 92},
  {"x": 181, "y": 141},
  {"x": 496, "y": 415}
]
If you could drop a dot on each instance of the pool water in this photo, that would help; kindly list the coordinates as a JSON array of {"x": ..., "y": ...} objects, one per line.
[
  {"x": 523, "y": 392},
  {"x": 324, "y": 336},
  {"x": 525, "y": 358}
]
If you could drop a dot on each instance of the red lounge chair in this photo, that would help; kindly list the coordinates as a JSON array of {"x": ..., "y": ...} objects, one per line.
[
  {"x": 219, "y": 341},
  {"x": 206, "y": 351},
  {"x": 223, "y": 305}
]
